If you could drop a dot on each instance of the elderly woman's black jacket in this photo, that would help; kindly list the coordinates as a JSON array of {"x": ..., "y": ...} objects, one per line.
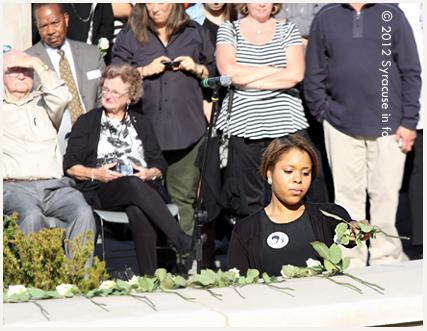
[{"x": 83, "y": 145}]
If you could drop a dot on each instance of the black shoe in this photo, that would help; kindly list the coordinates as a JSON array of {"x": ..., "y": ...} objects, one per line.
[{"x": 184, "y": 241}]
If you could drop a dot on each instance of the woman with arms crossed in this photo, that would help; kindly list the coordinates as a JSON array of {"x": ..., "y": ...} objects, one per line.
[{"x": 265, "y": 58}]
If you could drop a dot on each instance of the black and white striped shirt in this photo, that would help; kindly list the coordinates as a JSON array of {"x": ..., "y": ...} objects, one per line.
[{"x": 258, "y": 114}]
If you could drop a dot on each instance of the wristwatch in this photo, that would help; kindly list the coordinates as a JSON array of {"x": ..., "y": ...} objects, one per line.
[{"x": 44, "y": 67}]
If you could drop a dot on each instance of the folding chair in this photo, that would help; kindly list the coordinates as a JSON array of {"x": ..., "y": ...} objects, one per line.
[{"x": 121, "y": 217}]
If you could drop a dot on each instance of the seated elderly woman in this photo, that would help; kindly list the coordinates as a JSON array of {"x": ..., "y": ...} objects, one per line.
[{"x": 114, "y": 157}]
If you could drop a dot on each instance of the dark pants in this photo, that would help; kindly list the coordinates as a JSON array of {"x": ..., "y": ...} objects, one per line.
[
  {"x": 146, "y": 211},
  {"x": 414, "y": 164}
]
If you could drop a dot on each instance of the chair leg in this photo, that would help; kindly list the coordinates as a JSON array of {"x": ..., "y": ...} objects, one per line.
[{"x": 103, "y": 239}]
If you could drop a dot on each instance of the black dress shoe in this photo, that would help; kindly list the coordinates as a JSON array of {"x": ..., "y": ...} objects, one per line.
[{"x": 184, "y": 241}]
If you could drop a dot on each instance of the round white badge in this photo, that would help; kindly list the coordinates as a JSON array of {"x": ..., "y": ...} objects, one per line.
[{"x": 277, "y": 240}]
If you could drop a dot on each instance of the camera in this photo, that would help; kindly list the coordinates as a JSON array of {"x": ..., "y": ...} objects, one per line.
[
  {"x": 124, "y": 169},
  {"x": 170, "y": 65}
]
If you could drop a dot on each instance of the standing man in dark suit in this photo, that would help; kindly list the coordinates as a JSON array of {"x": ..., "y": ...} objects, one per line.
[{"x": 85, "y": 61}]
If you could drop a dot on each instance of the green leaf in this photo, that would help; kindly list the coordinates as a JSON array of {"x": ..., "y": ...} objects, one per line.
[
  {"x": 332, "y": 215},
  {"x": 287, "y": 270},
  {"x": 230, "y": 275},
  {"x": 329, "y": 265},
  {"x": 205, "y": 281},
  {"x": 335, "y": 253},
  {"x": 167, "y": 284},
  {"x": 340, "y": 229},
  {"x": 52, "y": 294},
  {"x": 146, "y": 284},
  {"x": 90, "y": 294},
  {"x": 69, "y": 294},
  {"x": 180, "y": 281},
  {"x": 345, "y": 240},
  {"x": 322, "y": 249},
  {"x": 345, "y": 263},
  {"x": 253, "y": 273},
  {"x": 364, "y": 228},
  {"x": 20, "y": 297},
  {"x": 161, "y": 273},
  {"x": 104, "y": 293},
  {"x": 210, "y": 275},
  {"x": 241, "y": 280},
  {"x": 36, "y": 293},
  {"x": 266, "y": 278},
  {"x": 123, "y": 285}
]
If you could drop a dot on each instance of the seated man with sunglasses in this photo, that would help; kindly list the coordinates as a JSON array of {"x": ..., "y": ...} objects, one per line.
[{"x": 33, "y": 181}]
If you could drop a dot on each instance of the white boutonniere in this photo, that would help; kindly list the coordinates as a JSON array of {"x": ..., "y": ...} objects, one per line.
[{"x": 103, "y": 45}]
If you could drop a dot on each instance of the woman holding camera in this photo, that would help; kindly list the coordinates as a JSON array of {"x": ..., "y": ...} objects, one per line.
[
  {"x": 115, "y": 159},
  {"x": 157, "y": 35}
]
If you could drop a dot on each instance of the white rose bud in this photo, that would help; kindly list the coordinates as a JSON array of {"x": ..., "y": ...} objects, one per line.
[
  {"x": 107, "y": 285},
  {"x": 64, "y": 288},
  {"x": 133, "y": 280},
  {"x": 237, "y": 271},
  {"x": 16, "y": 289},
  {"x": 313, "y": 263},
  {"x": 103, "y": 43}
]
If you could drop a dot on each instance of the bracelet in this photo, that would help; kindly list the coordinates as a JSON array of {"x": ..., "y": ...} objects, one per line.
[
  {"x": 154, "y": 177},
  {"x": 91, "y": 175},
  {"x": 203, "y": 70}
]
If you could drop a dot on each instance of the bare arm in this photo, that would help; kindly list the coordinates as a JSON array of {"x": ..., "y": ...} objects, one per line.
[
  {"x": 121, "y": 10},
  {"x": 250, "y": 76}
]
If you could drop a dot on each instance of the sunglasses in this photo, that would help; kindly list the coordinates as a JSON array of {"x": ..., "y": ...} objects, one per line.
[{"x": 14, "y": 72}]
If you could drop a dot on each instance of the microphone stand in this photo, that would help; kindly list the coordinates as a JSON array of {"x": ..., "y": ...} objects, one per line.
[{"x": 201, "y": 216}]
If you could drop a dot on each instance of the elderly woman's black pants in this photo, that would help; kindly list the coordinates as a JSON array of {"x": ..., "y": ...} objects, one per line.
[{"x": 146, "y": 211}]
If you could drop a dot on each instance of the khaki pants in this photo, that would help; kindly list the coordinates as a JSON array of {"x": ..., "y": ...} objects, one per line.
[
  {"x": 182, "y": 180},
  {"x": 363, "y": 165}
]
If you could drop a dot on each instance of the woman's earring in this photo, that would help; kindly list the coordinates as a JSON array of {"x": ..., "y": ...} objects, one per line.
[
  {"x": 127, "y": 105},
  {"x": 245, "y": 10},
  {"x": 269, "y": 181}
]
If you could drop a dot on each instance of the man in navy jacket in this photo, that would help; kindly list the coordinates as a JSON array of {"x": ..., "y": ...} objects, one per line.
[{"x": 363, "y": 83}]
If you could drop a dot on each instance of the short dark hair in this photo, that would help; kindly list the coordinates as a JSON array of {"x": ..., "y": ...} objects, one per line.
[
  {"x": 128, "y": 74},
  {"x": 280, "y": 146},
  {"x": 39, "y": 5}
]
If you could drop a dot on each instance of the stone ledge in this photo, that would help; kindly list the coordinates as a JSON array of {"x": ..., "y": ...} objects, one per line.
[{"x": 314, "y": 302}]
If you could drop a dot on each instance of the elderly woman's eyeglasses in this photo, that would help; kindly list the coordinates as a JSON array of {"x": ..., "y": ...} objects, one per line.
[{"x": 114, "y": 93}]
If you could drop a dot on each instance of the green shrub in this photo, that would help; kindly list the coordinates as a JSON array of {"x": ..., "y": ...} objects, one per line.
[{"x": 38, "y": 260}]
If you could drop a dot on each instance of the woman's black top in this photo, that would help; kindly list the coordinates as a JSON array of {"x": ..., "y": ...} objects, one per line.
[
  {"x": 247, "y": 240},
  {"x": 286, "y": 243},
  {"x": 83, "y": 145},
  {"x": 172, "y": 100}
]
